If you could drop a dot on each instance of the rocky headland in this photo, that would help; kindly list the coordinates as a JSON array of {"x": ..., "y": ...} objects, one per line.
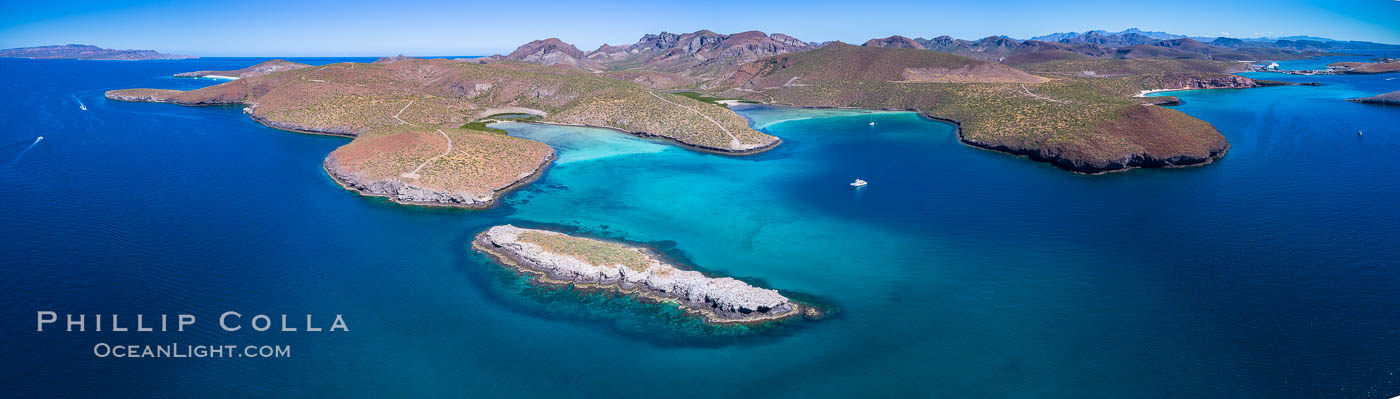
[
  {"x": 1365, "y": 68},
  {"x": 1391, "y": 98},
  {"x": 590, "y": 263},
  {"x": 1351, "y": 68},
  {"x": 262, "y": 68}
]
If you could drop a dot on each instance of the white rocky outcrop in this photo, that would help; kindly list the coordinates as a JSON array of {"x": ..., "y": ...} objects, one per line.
[{"x": 726, "y": 299}]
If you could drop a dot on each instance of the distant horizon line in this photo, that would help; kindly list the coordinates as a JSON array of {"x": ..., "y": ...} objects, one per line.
[{"x": 507, "y": 51}]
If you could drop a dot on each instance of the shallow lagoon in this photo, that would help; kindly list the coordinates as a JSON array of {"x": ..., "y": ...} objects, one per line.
[{"x": 958, "y": 272}]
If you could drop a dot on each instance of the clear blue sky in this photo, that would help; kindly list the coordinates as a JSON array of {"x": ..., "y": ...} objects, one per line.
[{"x": 381, "y": 27}]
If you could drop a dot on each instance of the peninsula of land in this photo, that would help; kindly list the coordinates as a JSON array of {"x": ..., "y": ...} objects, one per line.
[
  {"x": 412, "y": 120},
  {"x": 1391, "y": 98},
  {"x": 1382, "y": 65},
  {"x": 588, "y": 263},
  {"x": 1364, "y": 68},
  {"x": 262, "y": 68},
  {"x": 87, "y": 52}
]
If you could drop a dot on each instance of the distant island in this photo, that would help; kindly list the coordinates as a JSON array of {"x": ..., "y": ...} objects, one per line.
[
  {"x": 589, "y": 263},
  {"x": 87, "y": 52}
]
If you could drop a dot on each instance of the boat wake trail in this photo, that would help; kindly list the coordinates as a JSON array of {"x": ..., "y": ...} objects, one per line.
[
  {"x": 26, "y": 149},
  {"x": 80, "y": 102}
]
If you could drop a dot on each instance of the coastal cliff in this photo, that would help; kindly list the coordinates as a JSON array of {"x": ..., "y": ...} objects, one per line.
[
  {"x": 564, "y": 259},
  {"x": 1197, "y": 81}
]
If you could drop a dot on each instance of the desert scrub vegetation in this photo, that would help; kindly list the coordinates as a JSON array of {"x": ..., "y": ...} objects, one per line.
[
  {"x": 482, "y": 126},
  {"x": 704, "y": 98},
  {"x": 480, "y": 163},
  {"x": 652, "y": 115},
  {"x": 596, "y": 252}
]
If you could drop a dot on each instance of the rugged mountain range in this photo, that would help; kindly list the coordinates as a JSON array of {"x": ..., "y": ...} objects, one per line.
[
  {"x": 671, "y": 52},
  {"x": 672, "y": 60},
  {"x": 1095, "y": 44},
  {"x": 86, "y": 52},
  {"x": 1072, "y": 36}
]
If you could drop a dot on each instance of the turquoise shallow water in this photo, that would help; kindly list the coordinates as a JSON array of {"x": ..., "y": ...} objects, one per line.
[{"x": 957, "y": 273}]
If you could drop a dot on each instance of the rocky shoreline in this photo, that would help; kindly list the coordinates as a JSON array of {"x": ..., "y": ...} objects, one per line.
[
  {"x": 155, "y": 97},
  {"x": 404, "y": 193},
  {"x": 562, "y": 259},
  {"x": 342, "y": 132}
]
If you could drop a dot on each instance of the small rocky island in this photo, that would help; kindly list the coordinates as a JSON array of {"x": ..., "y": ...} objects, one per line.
[{"x": 585, "y": 262}]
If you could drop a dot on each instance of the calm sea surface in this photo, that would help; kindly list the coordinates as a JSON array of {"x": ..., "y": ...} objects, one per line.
[{"x": 957, "y": 272}]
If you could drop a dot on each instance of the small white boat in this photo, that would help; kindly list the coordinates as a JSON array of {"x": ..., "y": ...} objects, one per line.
[
  {"x": 858, "y": 183},
  {"x": 872, "y": 123},
  {"x": 1360, "y": 133}
]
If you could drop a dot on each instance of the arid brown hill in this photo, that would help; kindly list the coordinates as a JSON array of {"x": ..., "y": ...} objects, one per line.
[
  {"x": 895, "y": 41},
  {"x": 551, "y": 52}
]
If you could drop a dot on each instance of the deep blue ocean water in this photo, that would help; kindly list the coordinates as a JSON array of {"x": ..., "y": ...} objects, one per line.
[{"x": 957, "y": 272}]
